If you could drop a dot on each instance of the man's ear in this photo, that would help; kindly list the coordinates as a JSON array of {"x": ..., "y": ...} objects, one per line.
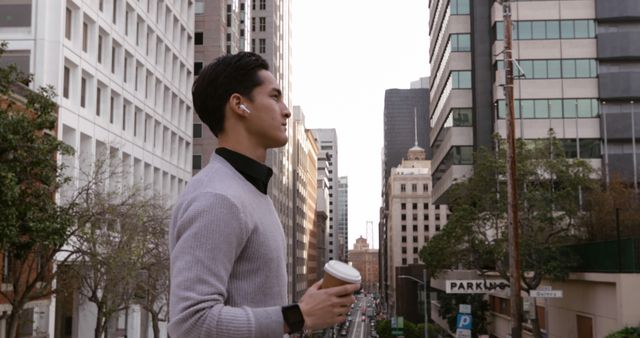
[{"x": 235, "y": 103}]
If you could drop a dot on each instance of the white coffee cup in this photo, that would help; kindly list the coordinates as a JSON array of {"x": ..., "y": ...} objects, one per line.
[{"x": 338, "y": 273}]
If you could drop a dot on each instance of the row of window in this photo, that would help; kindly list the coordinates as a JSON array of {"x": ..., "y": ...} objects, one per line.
[
  {"x": 262, "y": 47},
  {"x": 116, "y": 58},
  {"x": 583, "y": 148},
  {"x": 425, "y": 217},
  {"x": 548, "y": 29},
  {"x": 403, "y": 228},
  {"x": 113, "y": 107},
  {"x": 79, "y": 86},
  {"x": 403, "y": 239},
  {"x": 262, "y": 24},
  {"x": 551, "y": 108},
  {"x": 414, "y": 187},
  {"x": 199, "y": 6},
  {"x": 88, "y": 148},
  {"x": 555, "y": 69},
  {"x": 414, "y": 206}
]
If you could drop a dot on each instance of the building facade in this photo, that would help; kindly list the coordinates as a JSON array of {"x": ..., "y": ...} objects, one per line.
[
  {"x": 221, "y": 27},
  {"x": 575, "y": 76},
  {"x": 413, "y": 217},
  {"x": 365, "y": 260},
  {"x": 122, "y": 70},
  {"x": 304, "y": 242},
  {"x": 327, "y": 140},
  {"x": 342, "y": 224}
]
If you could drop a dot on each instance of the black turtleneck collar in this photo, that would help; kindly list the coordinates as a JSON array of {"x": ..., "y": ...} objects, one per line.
[{"x": 253, "y": 171}]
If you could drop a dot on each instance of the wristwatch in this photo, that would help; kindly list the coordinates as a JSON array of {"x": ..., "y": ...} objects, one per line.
[{"x": 293, "y": 317}]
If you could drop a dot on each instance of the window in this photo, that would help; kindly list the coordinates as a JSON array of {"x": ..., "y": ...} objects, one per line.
[
  {"x": 414, "y": 206},
  {"x": 461, "y": 79},
  {"x": 98, "y": 100},
  {"x": 415, "y": 228},
  {"x": 67, "y": 24},
  {"x": 197, "y": 130},
  {"x": 403, "y": 228},
  {"x": 425, "y": 217},
  {"x": 199, "y": 8},
  {"x": 197, "y": 67},
  {"x": 426, "y": 228},
  {"x": 124, "y": 116},
  {"x": 198, "y": 39},
  {"x": 404, "y": 249},
  {"x": 460, "y": 7},
  {"x": 263, "y": 5},
  {"x": 111, "y": 108},
  {"x": 425, "y": 206},
  {"x": 197, "y": 162},
  {"x": 404, "y": 261},
  {"x": 425, "y": 187},
  {"x": 403, "y": 187},
  {"x": 15, "y": 14},
  {"x": 437, "y": 216},
  {"x": 253, "y": 45},
  {"x": 263, "y": 24},
  {"x": 83, "y": 92},
  {"x": 100, "y": 48},
  {"x": 414, "y": 217},
  {"x": 414, "y": 188},
  {"x": 263, "y": 46},
  {"x": 404, "y": 239},
  {"x": 403, "y": 206},
  {"x": 67, "y": 78},
  {"x": 403, "y": 217},
  {"x": 415, "y": 239},
  {"x": 85, "y": 36},
  {"x": 461, "y": 42}
]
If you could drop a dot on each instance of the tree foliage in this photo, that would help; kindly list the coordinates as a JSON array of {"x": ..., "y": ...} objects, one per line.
[
  {"x": 449, "y": 305},
  {"x": 33, "y": 227}
]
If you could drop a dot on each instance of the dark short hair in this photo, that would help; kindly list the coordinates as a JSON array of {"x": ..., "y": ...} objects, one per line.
[{"x": 227, "y": 75}]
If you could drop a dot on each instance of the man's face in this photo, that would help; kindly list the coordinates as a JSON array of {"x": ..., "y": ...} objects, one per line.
[{"x": 267, "y": 121}]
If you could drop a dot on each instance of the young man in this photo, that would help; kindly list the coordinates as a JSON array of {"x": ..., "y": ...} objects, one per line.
[{"x": 228, "y": 256}]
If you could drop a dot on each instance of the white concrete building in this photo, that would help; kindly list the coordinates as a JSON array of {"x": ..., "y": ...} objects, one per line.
[
  {"x": 413, "y": 218},
  {"x": 123, "y": 71}
]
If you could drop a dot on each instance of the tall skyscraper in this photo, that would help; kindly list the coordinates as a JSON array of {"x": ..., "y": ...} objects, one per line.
[
  {"x": 399, "y": 108},
  {"x": 342, "y": 224},
  {"x": 327, "y": 140},
  {"x": 122, "y": 70},
  {"x": 576, "y": 75}
]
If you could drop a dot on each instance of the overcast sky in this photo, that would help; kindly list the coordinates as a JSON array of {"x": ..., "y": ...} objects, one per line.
[{"x": 346, "y": 53}]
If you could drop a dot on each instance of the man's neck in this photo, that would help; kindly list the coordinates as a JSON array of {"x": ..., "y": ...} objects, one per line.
[{"x": 255, "y": 153}]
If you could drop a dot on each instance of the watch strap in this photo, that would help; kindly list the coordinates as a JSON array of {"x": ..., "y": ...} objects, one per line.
[{"x": 293, "y": 317}]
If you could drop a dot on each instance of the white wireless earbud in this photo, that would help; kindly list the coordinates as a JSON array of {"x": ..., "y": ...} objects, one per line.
[{"x": 243, "y": 107}]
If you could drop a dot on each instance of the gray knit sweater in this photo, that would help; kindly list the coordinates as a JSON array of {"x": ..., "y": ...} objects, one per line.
[{"x": 228, "y": 274}]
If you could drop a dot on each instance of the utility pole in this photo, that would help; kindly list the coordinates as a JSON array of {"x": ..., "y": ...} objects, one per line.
[{"x": 512, "y": 197}]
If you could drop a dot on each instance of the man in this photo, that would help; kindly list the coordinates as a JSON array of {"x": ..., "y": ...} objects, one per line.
[{"x": 228, "y": 274}]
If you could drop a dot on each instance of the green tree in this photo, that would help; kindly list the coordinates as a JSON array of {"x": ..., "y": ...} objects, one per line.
[
  {"x": 33, "y": 227},
  {"x": 549, "y": 200}
]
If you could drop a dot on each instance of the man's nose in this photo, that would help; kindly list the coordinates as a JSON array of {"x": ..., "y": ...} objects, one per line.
[{"x": 287, "y": 112}]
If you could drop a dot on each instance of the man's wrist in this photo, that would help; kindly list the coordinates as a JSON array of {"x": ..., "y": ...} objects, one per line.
[{"x": 293, "y": 318}]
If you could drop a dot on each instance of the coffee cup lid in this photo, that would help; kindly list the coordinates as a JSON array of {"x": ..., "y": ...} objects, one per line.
[{"x": 342, "y": 271}]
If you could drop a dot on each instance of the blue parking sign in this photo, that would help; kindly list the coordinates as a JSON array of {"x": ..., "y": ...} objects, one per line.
[{"x": 463, "y": 321}]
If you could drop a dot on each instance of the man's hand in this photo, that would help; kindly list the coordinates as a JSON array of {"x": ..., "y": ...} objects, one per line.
[{"x": 323, "y": 308}]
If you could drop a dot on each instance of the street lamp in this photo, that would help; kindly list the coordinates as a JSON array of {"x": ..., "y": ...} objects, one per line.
[{"x": 424, "y": 283}]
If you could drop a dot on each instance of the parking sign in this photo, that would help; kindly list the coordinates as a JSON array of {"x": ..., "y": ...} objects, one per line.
[{"x": 463, "y": 321}]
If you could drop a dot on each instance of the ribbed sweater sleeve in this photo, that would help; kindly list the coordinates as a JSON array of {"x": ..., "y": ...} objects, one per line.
[{"x": 209, "y": 232}]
